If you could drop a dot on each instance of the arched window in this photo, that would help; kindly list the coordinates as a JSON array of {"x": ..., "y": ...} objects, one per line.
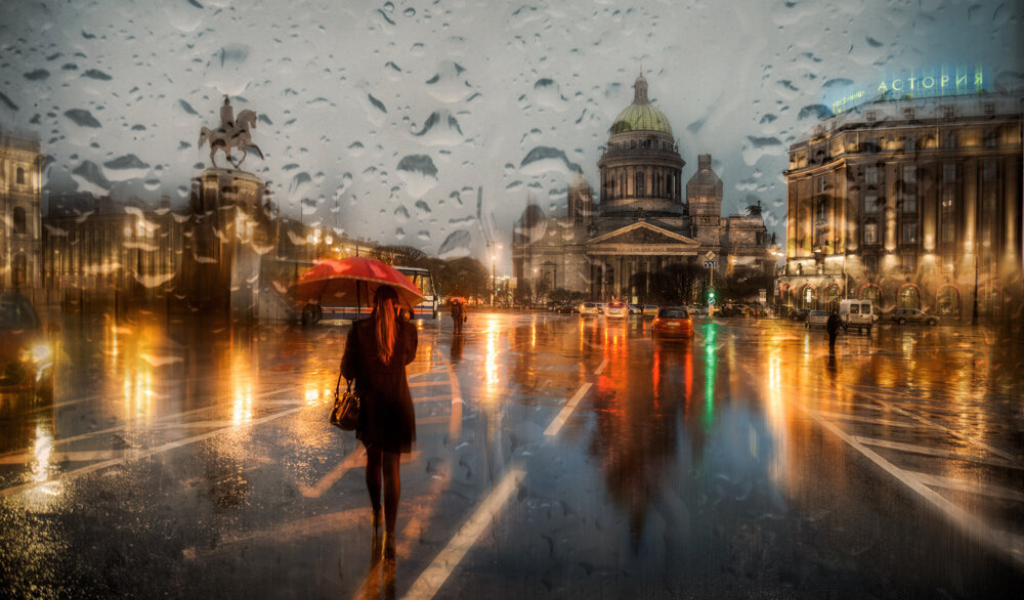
[
  {"x": 639, "y": 183},
  {"x": 672, "y": 186},
  {"x": 909, "y": 297},
  {"x": 947, "y": 300},
  {"x": 611, "y": 188},
  {"x": 20, "y": 223},
  {"x": 808, "y": 296},
  {"x": 873, "y": 293},
  {"x": 20, "y": 177},
  {"x": 831, "y": 296}
]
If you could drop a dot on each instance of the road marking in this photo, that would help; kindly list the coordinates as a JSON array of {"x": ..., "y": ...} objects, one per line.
[
  {"x": 969, "y": 524},
  {"x": 563, "y": 415},
  {"x": 961, "y": 485},
  {"x": 139, "y": 454},
  {"x": 600, "y": 368},
  {"x": 869, "y": 420},
  {"x": 915, "y": 449},
  {"x": 354, "y": 459},
  {"x": 434, "y": 576},
  {"x": 59, "y": 457}
]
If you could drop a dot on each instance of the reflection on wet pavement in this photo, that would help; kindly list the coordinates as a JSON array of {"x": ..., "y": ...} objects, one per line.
[{"x": 556, "y": 455}]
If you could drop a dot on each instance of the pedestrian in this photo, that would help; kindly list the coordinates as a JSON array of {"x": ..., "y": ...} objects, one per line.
[
  {"x": 832, "y": 326},
  {"x": 458, "y": 315},
  {"x": 376, "y": 353}
]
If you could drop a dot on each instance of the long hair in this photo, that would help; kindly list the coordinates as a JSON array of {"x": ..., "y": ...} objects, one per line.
[{"x": 385, "y": 300}]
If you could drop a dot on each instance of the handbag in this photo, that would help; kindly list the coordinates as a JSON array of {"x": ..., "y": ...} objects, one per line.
[{"x": 345, "y": 412}]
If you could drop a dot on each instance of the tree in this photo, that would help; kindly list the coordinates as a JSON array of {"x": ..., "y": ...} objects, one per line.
[
  {"x": 461, "y": 277},
  {"x": 678, "y": 284}
]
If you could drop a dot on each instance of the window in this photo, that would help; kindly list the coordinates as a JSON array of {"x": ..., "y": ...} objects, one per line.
[
  {"x": 991, "y": 139},
  {"x": 20, "y": 222},
  {"x": 948, "y": 199},
  {"x": 990, "y": 172},
  {"x": 20, "y": 176},
  {"x": 909, "y": 144},
  {"x": 871, "y": 263},
  {"x": 822, "y": 211},
  {"x": 871, "y": 175},
  {"x": 949, "y": 172},
  {"x": 948, "y": 112},
  {"x": 821, "y": 184},
  {"x": 871, "y": 203},
  {"x": 910, "y": 174},
  {"x": 910, "y": 233},
  {"x": 949, "y": 141},
  {"x": 871, "y": 145},
  {"x": 909, "y": 203},
  {"x": 870, "y": 233},
  {"x": 909, "y": 114},
  {"x": 948, "y": 228},
  {"x": 990, "y": 109},
  {"x": 909, "y": 263},
  {"x": 640, "y": 183},
  {"x": 871, "y": 116}
]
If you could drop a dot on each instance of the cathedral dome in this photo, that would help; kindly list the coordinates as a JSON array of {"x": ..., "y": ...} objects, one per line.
[{"x": 641, "y": 115}]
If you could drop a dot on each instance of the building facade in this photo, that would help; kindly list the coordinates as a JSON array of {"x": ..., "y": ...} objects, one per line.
[
  {"x": 643, "y": 222},
  {"x": 20, "y": 213},
  {"x": 912, "y": 203}
]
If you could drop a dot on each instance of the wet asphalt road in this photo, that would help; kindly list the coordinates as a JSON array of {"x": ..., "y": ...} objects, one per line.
[{"x": 557, "y": 457}]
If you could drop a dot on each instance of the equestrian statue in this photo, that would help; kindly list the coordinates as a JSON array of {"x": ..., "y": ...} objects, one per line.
[{"x": 232, "y": 133}]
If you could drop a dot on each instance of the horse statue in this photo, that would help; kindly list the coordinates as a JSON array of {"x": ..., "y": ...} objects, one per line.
[{"x": 231, "y": 135}]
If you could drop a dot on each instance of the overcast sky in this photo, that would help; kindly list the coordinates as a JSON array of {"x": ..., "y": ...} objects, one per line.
[{"x": 387, "y": 117}]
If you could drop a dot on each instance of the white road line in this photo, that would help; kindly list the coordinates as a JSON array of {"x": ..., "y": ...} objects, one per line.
[
  {"x": 869, "y": 420},
  {"x": 915, "y": 449},
  {"x": 563, "y": 415},
  {"x": 352, "y": 460},
  {"x": 967, "y": 523},
  {"x": 600, "y": 368},
  {"x": 960, "y": 485},
  {"x": 139, "y": 454},
  {"x": 434, "y": 576}
]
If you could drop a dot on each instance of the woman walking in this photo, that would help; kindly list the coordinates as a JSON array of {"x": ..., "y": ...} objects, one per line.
[{"x": 376, "y": 353}]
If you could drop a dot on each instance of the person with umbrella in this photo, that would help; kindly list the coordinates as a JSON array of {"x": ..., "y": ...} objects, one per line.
[
  {"x": 458, "y": 314},
  {"x": 376, "y": 354}
]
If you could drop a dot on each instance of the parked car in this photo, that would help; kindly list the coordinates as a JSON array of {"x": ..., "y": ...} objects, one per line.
[
  {"x": 697, "y": 311},
  {"x": 672, "y": 322},
  {"x": 616, "y": 310},
  {"x": 816, "y": 318},
  {"x": 600, "y": 308},
  {"x": 799, "y": 314},
  {"x": 26, "y": 357},
  {"x": 567, "y": 307},
  {"x": 633, "y": 309},
  {"x": 903, "y": 316},
  {"x": 588, "y": 309},
  {"x": 649, "y": 311}
]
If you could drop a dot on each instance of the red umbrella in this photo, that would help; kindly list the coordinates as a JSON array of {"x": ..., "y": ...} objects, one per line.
[{"x": 352, "y": 280}]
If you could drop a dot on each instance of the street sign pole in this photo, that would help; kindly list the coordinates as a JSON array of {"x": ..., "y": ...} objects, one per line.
[{"x": 709, "y": 264}]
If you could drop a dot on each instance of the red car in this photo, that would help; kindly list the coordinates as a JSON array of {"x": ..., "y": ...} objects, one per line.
[
  {"x": 672, "y": 322},
  {"x": 26, "y": 358}
]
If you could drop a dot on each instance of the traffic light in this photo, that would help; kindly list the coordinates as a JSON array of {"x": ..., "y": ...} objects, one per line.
[{"x": 711, "y": 297}]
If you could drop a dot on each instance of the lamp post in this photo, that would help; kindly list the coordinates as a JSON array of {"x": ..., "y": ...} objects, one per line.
[{"x": 494, "y": 280}]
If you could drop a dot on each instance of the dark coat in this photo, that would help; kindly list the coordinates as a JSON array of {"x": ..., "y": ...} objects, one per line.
[
  {"x": 387, "y": 419},
  {"x": 834, "y": 323}
]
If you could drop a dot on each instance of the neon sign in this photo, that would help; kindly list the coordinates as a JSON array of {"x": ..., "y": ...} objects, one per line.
[{"x": 942, "y": 81}]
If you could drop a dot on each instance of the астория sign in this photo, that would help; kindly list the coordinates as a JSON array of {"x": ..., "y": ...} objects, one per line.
[{"x": 941, "y": 81}]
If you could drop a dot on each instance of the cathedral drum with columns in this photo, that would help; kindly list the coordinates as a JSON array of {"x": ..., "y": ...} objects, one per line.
[{"x": 641, "y": 225}]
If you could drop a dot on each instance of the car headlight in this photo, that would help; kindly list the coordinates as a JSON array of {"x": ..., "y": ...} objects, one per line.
[{"x": 41, "y": 352}]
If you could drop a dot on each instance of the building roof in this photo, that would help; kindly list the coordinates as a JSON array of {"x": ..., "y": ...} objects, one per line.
[{"x": 641, "y": 115}]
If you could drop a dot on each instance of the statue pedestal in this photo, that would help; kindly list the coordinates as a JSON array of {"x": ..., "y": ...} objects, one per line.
[{"x": 221, "y": 265}]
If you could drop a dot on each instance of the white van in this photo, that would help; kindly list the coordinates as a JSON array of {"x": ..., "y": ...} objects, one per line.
[{"x": 859, "y": 314}]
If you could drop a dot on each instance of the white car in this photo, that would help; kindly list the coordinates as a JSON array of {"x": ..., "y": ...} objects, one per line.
[
  {"x": 616, "y": 310},
  {"x": 816, "y": 318},
  {"x": 588, "y": 309}
]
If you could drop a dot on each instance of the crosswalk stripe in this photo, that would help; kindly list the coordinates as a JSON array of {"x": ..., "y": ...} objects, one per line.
[{"x": 960, "y": 485}]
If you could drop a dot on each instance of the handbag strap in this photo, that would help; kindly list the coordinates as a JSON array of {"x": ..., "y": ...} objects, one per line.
[{"x": 337, "y": 387}]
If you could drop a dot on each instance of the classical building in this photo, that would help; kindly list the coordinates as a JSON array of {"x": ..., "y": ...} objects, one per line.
[
  {"x": 913, "y": 203},
  {"x": 98, "y": 251},
  {"x": 642, "y": 224},
  {"x": 20, "y": 213}
]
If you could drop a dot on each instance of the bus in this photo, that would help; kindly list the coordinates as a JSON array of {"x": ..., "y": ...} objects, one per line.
[{"x": 427, "y": 310}]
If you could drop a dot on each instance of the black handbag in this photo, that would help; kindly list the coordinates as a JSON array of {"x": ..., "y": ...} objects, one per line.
[{"x": 345, "y": 412}]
